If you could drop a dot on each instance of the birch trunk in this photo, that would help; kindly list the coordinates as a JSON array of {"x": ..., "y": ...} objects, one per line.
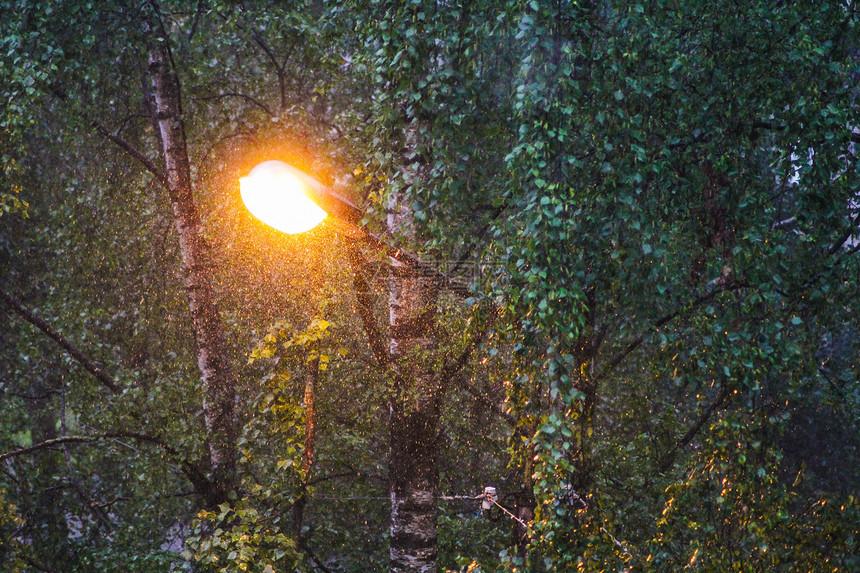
[
  {"x": 414, "y": 415},
  {"x": 219, "y": 385}
]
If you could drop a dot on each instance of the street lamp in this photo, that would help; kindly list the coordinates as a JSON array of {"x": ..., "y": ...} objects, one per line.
[
  {"x": 276, "y": 194},
  {"x": 292, "y": 201}
]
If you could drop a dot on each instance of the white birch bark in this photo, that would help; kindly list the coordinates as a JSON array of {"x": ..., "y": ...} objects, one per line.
[{"x": 219, "y": 385}]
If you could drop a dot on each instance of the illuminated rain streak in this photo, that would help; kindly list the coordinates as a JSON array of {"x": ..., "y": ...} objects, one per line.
[{"x": 275, "y": 195}]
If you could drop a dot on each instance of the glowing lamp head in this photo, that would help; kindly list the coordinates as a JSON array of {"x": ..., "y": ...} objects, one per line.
[{"x": 275, "y": 193}]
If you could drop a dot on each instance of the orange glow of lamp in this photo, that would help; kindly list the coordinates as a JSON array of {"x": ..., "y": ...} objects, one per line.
[{"x": 275, "y": 193}]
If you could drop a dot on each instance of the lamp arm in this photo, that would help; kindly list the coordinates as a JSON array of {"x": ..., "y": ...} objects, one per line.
[{"x": 348, "y": 217}]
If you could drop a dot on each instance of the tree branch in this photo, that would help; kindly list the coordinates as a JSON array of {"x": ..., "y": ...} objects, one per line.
[
  {"x": 36, "y": 564},
  {"x": 854, "y": 138},
  {"x": 478, "y": 237},
  {"x": 365, "y": 310},
  {"x": 47, "y": 444},
  {"x": 203, "y": 485},
  {"x": 279, "y": 68},
  {"x": 668, "y": 459},
  {"x": 99, "y": 514},
  {"x": 239, "y": 95},
  {"x": 317, "y": 563},
  {"x": 198, "y": 12},
  {"x": 73, "y": 351},
  {"x": 661, "y": 322},
  {"x": 482, "y": 398},
  {"x": 351, "y": 474},
  {"x": 834, "y": 248},
  {"x": 449, "y": 369},
  {"x": 159, "y": 175},
  {"x": 23, "y": 396}
]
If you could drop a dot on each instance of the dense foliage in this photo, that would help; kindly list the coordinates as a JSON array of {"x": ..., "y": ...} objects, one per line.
[{"x": 655, "y": 206}]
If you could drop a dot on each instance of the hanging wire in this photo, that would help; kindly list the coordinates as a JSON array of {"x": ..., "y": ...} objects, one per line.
[
  {"x": 456, "y": 497},
  {"x": 484, "y": 496},
  {"x": 348, "y": 497},
  {"x": 388, "y": 498},
  {"x": 480, "y": 497},
  {"x": 511, "y": 515}
]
